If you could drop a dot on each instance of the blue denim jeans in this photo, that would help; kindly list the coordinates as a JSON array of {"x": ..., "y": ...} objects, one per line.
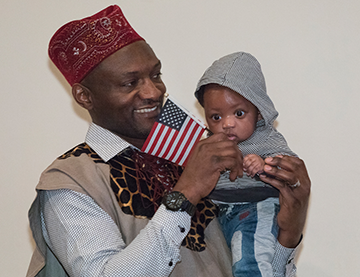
[{"x": 250, "y": 231}]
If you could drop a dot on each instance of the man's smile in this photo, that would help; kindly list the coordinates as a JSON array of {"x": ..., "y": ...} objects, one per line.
[{"x": 146, "y": 110}]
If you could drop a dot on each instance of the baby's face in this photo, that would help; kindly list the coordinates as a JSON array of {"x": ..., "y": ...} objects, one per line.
[{"x": 228, "y": 112}]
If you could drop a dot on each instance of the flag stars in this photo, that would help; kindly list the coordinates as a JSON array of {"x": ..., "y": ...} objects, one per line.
[
  {"x": 172, "y": 116},
  {"x": 173, "y": 135}
]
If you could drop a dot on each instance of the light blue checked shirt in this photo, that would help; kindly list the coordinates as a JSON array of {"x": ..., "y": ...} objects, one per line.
[{"x": 87, "y": 241}]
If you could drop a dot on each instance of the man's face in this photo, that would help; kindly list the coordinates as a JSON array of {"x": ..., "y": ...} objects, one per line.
[
  {"x": 228, "y": 112},
  {"x": 127, "y": 92}
]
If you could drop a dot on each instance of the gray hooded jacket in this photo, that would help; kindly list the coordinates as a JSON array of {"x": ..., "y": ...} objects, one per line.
[{"x": 242, "y": 73}]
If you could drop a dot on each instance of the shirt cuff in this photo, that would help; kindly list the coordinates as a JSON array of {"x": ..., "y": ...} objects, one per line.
[
  {"x": 284, "y": 260},
  {"x": 175, "y": 224}
]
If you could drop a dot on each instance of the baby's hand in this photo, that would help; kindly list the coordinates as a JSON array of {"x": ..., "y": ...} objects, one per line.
[{"x": 253, "y": 164}]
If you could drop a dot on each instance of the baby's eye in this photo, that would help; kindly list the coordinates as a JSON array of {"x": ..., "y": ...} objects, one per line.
[
  {"x": 215, "y": 117},
  {"x": 239, "y": 113}
]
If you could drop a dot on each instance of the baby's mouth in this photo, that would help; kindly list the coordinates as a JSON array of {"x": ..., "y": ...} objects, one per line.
[{"x": 232, "y": 136}]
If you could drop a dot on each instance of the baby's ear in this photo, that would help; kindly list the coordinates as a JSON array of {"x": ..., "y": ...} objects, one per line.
[{"x": 259, "y": 116}]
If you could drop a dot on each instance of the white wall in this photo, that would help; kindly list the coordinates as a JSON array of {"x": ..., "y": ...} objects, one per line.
[{"x": 309, "y": 51}]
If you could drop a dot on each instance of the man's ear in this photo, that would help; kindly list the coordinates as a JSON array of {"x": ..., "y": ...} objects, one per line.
[
  {"x": 259, "y": 116},
  {"x": 82, "y": 96}
]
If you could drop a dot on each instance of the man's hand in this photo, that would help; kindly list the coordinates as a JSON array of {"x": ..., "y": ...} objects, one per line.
[
  {"x": 208, "y": 159},
  {"x": 287, "y": 171},
  {"x": 253, "y": 164}
]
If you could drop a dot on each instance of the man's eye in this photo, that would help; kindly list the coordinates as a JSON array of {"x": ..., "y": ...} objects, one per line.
[
  {"x": 157, "y": 76},
  {"x": 239, "y": 113},
  {"x": 130, "y": 83},
  {"x": 215, "y": 117}
]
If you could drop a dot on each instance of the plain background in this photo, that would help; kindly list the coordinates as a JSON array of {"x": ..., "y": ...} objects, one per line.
[{"x": 310, "y": 55}]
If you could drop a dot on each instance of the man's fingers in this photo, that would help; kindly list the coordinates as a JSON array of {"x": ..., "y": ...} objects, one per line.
[
  {"x": 217, "y": 153},
  {"x": 288, "y": 169},
  {"x": 216, "y": 138},
  {"x": 231, "y": 160},
  {"x": 226, "y": 155}
]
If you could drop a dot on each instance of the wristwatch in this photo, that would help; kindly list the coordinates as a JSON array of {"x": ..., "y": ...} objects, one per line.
[{"x": 176, "y": 201}]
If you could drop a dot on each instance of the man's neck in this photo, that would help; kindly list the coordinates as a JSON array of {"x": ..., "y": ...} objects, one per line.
[{"x": 138, "y": 143}]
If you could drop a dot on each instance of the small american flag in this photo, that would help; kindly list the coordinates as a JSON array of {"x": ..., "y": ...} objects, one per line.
[{"x": 174, "y": 134}]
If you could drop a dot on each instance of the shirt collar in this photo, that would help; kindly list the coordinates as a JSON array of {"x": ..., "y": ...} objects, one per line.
[{"x": 105, "y": 143}]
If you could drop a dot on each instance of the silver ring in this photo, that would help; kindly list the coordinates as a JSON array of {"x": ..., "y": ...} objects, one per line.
[{"x": 297, "y": 184}]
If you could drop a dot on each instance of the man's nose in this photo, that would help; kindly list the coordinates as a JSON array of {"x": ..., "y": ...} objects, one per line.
[{"x": 151, "y": 90}]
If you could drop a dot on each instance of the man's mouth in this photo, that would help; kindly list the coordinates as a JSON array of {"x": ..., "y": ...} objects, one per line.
[{"x": 146, "y": 110}]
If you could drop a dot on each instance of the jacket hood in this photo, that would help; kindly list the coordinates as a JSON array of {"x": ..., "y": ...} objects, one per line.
[{"x": 242, "y": 73}]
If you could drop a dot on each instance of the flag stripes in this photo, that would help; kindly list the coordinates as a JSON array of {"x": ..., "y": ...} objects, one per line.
[{"x": 174, "y": 144}]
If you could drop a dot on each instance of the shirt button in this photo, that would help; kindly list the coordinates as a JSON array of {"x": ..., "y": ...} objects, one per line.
[
  {"x": 170, "y": 263},
  {"x": 182, "y": 229}
]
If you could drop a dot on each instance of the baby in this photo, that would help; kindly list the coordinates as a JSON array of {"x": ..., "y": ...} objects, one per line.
[{"x": 233, "y": 94}]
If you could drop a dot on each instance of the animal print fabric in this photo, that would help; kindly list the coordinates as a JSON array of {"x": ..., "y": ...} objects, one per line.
[{"x": 139, "y": 182}]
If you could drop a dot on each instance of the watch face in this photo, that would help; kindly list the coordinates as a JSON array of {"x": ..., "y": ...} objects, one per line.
[{"x": 174, "y": 200}]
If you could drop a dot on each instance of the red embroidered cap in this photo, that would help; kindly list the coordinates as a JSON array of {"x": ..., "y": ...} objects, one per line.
[{"x": 80, "y": 45}]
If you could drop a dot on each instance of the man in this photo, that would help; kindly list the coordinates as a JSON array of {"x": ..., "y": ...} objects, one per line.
[{"x": 105, "y": 208}]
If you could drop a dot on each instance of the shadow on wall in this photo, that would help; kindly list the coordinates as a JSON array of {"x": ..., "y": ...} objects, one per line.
[
  {"x": 310, "y": 270},
  {"x": 31, "y": 240},
  {"x": 81, "y": 112}
]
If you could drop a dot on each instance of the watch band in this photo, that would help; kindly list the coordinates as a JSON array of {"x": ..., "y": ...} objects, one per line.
[
  {"x": 176, "y": 201},
  {"x": 188, "y": 207}
]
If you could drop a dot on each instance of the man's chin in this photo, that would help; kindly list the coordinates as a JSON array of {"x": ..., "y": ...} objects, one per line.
[
  {"x": 144, "y": 133},
  {"x": 146, "y": 125}
]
